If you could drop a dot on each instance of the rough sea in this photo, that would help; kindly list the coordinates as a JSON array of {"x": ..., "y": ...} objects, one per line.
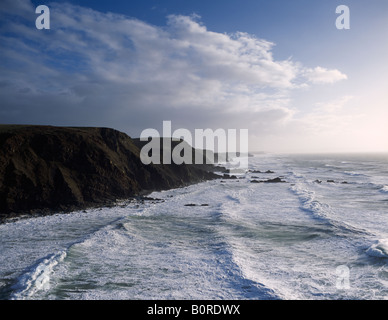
[{"x": 323, "y": 234}]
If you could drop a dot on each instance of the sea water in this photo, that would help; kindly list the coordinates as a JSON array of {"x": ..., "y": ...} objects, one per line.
[{"x": 321, "y": 234}]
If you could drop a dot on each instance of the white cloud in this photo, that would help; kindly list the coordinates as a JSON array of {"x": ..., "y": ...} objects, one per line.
[
  {"x": 323, "y": 75},
  {"x": 21, "y": 8},
  {"x": 107, "y": 69}
]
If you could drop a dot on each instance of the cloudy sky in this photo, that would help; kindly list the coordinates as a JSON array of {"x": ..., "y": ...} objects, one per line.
[{"x": 279, "y": 68}]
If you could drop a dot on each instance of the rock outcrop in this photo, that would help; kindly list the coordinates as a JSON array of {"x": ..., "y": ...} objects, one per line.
[{"x": 46, "y": 169}]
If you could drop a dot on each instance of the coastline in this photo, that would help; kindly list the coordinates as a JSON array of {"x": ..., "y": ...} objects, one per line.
[{"x": 46, "y": 170}]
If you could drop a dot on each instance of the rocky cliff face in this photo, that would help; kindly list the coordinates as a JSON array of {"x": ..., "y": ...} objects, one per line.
[{"x": 44, "y": 169}]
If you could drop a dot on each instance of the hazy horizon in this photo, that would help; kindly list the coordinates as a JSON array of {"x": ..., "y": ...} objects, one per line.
[{"x": 281, "y": 70}]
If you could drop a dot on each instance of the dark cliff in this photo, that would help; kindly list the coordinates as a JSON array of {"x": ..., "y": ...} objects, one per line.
[{"x": 46, "y": 169}]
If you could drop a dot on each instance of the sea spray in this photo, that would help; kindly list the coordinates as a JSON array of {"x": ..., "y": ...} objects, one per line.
[{"x": 36, "y": 277}]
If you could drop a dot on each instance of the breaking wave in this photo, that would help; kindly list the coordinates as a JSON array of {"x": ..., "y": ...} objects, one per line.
[
  {"x": 384, "y": 189},
  {"x": 379, "y": 249},
  {"x": 36, "y": 277}
]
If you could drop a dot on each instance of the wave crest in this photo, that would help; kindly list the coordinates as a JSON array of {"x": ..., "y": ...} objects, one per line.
[
  {"x": 384, "y": 189},
  {"x": 36, "y": 277},
  {"x": 379, "y": 249}
]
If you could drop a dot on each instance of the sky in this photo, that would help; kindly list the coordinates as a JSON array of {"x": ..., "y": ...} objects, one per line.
[{"x": 279, "y": 68}]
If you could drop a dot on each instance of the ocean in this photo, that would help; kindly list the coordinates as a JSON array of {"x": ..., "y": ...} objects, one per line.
[{"x": 322, "y": 234}]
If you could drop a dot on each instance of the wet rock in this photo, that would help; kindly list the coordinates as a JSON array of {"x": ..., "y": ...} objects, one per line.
[
  {"x": 258, "y": 171},
  {"x": 227, "y": 176},
  {"x": 195, "y": 205},
  {"x": 275, "y": 180}
]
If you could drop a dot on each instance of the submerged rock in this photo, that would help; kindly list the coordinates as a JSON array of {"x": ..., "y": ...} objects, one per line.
[
  {"x": 258, "y": 171},
  {"x": 275, "y": 180},
  {"x": 194, "y": 205}
]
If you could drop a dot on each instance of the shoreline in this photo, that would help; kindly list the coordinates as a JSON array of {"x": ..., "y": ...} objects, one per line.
[
  {"x": 38, "y": 213},
  {"x": 46, "y": 170}
]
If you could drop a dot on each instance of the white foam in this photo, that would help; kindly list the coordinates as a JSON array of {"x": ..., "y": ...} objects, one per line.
[
  {"x": 353, "y": 174},
  {"x": 384, "y": 189},
  {"x": 310, "y": 203},
  {"x": 250, "y": 241},
  {"x": 379, "y": 249},
  {"x": 36, "y": 277}
]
